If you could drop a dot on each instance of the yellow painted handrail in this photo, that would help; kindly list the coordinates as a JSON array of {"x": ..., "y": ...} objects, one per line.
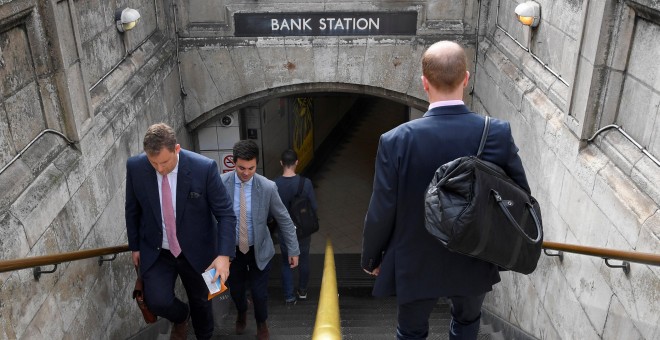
[{"x": 327, "y": 325}]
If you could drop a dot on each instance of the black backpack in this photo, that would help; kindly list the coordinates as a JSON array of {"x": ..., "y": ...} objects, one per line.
[{"x": 302, "y": 214}]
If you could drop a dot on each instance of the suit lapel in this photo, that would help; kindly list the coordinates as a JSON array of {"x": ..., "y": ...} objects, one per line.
[
  {"x": 183, "y": 181},
  {"x": 257, "y": 200},
  {"x": 151, "y": 185}
]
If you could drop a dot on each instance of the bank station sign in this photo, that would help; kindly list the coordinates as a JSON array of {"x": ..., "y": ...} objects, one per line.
[{"x": 325, "y": 24}]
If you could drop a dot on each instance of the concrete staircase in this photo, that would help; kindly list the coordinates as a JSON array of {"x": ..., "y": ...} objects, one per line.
[{"x": 363, "y": 317}]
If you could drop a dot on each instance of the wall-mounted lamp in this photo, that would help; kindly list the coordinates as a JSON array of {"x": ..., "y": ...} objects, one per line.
[
  {"x": 126, "y": 18},
  {"x": 529, "y": 13}
]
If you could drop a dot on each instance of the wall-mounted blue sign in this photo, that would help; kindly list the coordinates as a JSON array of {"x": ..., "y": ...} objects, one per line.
[{"x": 324, "y": 24}]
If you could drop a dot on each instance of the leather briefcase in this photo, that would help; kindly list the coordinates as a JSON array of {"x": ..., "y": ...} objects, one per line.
[
  {"x": 472, "y": 207},
  {"x": 138, "y": 295}
]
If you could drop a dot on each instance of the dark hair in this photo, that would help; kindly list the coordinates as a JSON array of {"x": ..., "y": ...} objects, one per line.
[
  {"x": 246, "y": 150},
  {"x": 444, "y": 65},
  {"x": 157, "y": 137},
  {"x": 289, "y": 158}
]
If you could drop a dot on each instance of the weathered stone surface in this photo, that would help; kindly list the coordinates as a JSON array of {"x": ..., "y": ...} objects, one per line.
[
  {"x": 273, "y": 58},
  {"x": 8, "y": 151},
  {"x": 110, "y": 226},
  {"x": 74, "y": 288},
  {"x": 207, "y": 12},
  {"x": 559, "y": 299},
  {"x": 583, "y": 276},
  {"x": 13, "y": 240},
  {"x": 619, "y": 324},
  {"x": 326, "y": 52},
  {"x": 101, "y": 53},
  {"x": 620, "y": 150},
  {"x": 633, "y": 292},
  {"x": 350, "y": 60},
  {"x": 17, "y": 71},
  {"x": 622, "y": 202},
  {"x": 40, "y": 203},
  {"x": 15, "y": 179},
  {"x": 403, "y": 67},
  {"x": 638, "y": 110},
  {"x": 42, "y": 152},
  {"x": 300, "y": 60},
  {"x": 249, "y": 68},
  {"x": 25, "y": 293},
  {"x": 47, "y": 323},
  {"x": 588, "y": 223},
  {"x": 25, "y": 115}
]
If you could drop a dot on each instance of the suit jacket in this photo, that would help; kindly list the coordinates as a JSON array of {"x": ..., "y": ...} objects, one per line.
[
  {"x": 204, "y": 214},
  {"x": 266, "y": 200},
  {"x": 414, "y": 265}
]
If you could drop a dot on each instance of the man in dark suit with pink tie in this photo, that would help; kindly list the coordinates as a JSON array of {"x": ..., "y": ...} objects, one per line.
[
  {"x": 179, "y": 222},
  {"x": 397, "y": 249}
]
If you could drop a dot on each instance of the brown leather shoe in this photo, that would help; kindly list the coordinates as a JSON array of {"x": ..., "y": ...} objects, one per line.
[
  {"x": 241, "y": 322},
  {"x": 180, "y": 330},
  {"x": 262, "y": 331}
]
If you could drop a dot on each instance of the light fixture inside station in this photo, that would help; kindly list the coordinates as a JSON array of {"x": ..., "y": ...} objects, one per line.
[
  {"x": 529, "y": 13},
  {"x": 126, "y": 18}
]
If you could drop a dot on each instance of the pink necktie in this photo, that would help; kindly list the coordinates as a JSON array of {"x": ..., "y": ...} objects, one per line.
[
  {"x": 243, "y": 245},
  {"x": 170, "y": 221}
]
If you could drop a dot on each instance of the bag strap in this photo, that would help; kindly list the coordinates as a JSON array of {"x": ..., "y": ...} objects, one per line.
[
  {"x": 484, "y": 136},
  {"x": 504, "y": 206},
  {"x": 301, "y": 183}
]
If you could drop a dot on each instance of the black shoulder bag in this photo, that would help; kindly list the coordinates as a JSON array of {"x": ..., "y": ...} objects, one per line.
[{"x": 472, "y": 207}]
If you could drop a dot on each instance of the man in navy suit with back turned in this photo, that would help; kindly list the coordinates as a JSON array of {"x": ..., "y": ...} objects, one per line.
[
  {"x": 397, "y": 249},
  {"x": 180, "y": 222}
]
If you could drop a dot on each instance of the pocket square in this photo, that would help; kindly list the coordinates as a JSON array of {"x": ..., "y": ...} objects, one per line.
[{"x": 194, "y": 195}]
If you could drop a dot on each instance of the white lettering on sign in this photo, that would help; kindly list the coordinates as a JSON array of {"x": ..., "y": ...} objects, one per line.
[
  {"x": 361, "y": 24},
  {"x": 332, "y": 24},
  {"x": 290, "y": 24}
]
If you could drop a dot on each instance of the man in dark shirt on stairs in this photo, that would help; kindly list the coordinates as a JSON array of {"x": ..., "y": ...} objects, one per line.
[{"x": 287, "y": 186}]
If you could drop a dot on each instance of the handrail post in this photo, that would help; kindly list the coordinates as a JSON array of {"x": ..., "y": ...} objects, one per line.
[
  {"x": 559, "y": 254},
  {"x": 36, "y": 271},
  {"x": 625, "y": 265},
  {"x": 102, "y": 259}
]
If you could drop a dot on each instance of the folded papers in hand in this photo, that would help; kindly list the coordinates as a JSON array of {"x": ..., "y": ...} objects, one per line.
[{"x": 215, "y": 287}]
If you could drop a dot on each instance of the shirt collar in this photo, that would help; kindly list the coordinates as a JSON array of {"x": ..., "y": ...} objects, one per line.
[
  {"x": 442, "y": 103},
  {"x": 238, "y": 180}
]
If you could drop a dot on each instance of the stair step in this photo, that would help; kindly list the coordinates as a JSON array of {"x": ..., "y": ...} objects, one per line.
[{"x": 362, "y": 316}]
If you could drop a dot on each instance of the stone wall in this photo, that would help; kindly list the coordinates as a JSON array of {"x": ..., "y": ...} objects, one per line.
[
  {"x": 65, "y": 67},
  {"x": 222, "y": 72},
  {"x": 602, "y": 194}
]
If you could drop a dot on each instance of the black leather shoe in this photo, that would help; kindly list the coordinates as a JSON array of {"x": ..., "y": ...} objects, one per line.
[{"x": 241, "y": 322}]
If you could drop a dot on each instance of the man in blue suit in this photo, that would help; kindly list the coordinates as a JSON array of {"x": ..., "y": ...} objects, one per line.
[
  {"x": 397, "y": 249},
  {"x": 179, "y": 222},
  {"x": 255, "y": 198}
]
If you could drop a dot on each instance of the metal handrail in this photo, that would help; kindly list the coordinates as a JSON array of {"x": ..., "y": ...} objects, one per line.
[
  {"x": 328, "y": 323},
  {"x": 605, "y": 254},
  {"x": 45, "y": 260}
]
